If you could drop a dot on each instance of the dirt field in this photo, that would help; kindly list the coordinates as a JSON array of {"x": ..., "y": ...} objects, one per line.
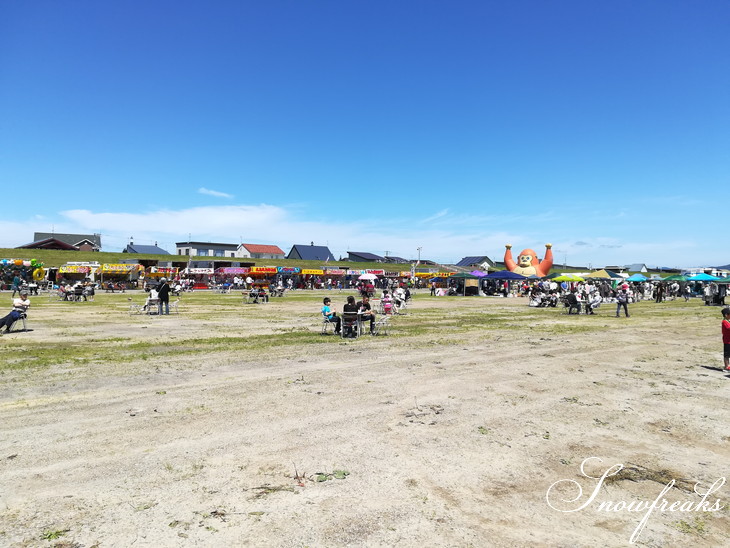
[{"x": 241, "y": 425}]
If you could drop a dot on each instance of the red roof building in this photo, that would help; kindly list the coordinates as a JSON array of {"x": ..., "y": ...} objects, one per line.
[{"x": 259, "y": 251}]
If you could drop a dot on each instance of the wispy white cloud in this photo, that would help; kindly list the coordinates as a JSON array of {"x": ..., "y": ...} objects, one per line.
[
  {"x": 217, "y": 194},
  {"x": 438, "y": 215}
]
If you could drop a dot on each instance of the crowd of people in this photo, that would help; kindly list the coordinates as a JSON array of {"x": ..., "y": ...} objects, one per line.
[
  {"x": 589, "y": 295},
  {"x": 391, "y": 302},
  {"x": 584, "y": 296}
]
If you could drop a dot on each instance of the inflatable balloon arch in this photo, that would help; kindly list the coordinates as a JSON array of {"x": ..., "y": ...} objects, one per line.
[{"x": 28, "y": 269}]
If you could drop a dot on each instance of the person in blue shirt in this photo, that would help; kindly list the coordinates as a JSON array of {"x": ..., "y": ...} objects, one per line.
[
  {"x": 17, "y": 283},
  {"x": 330, "y": 315}
]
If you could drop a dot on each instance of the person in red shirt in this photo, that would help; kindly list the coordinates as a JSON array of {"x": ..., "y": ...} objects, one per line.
[{"x": 726, "y": 337}]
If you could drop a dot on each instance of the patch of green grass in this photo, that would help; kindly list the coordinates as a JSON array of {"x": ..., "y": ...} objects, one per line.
[
  {"x": 698, "y": 526},
  {"x": 53, "y": 535},
  {"x": 77, "y": 353}
]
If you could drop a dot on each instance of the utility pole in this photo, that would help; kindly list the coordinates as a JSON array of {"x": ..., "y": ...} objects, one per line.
[{"x": 419, "y": 254}]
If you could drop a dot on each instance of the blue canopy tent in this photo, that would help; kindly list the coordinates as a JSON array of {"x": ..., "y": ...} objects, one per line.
[
  {"x": 637, "y": 278},
  {"x": 702, "y": 277},
  {"x": 504, "y": 275}
]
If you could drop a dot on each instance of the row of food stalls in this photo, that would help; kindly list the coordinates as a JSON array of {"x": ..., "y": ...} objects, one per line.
[
  {"x": 127, "y": 273},
  {"x": 301, "y": 277},
  {"x": 137, "y": 274}
]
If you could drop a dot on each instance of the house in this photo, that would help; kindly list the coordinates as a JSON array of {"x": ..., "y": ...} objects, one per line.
[
  {"x": 477, "y": 261},
  {"x": 259, "y": 251},
  {"x": 145, "y": 249},
  {"x": 363, "y": 257},
  {"x": 49, "y": 243},
  {"x": 638, "y": 267},
  {"x": 82, "y": 242},
  {"x": 396, "y": 260},
  {"x": 206, "y": 249},
  {"x": 310, "y": 252},
  {"x": 718, "y": 271}
]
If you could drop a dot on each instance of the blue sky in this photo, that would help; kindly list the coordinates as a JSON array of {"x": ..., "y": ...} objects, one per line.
[{"x": 601, "y": 127}]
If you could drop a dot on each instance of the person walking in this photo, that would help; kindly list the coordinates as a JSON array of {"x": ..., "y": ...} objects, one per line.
[
  {"x": 163, "y": 295},
  {"x": 17, "y": 283},
  {"x": 659, "y": 292},
  {"x": 622, "y": 299},
  {"x": 726, "y": 337}
]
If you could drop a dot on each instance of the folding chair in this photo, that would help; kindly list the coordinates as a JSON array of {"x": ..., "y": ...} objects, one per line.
[
  {"x": 134, "y": 308},
  {"x": 325, "y": 324},
  {"x": 78, "y": 294},
  {"x": 153, "y": 307},
  {"x": 23, "y": 315},
  {"x": 381, "y": 326},
  {"x": 350, "y": 325}
]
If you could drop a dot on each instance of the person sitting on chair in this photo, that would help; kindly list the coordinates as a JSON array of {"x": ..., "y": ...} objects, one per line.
[
  {"x": 263, "y": 295},
  {"x": 20, "y": 306},
  {"x": 366, "y": 312},
  {"x": 387, "y": 301},
  {"x": 399, "y": 295},
  {"x": 330, "y": 315},
  {"x": 349, "y": 313},
  {"x": 594, "y": 302},
  {"x": 572, "y": 301},
  {"x": 153, "y": 296}
]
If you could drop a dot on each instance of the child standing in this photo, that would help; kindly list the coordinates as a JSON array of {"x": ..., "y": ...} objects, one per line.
[{"x": 726, "y": 337}]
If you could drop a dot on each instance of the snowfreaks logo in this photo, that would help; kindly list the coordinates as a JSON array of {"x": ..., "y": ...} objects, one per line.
[{"x": 567, "y": 505}]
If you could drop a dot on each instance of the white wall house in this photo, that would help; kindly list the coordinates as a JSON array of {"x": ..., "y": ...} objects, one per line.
[{"x": 206, "y": 249}]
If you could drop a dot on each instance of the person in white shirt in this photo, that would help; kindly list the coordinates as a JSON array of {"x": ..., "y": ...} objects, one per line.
[
  {"x": 153, "y": 296},
  {"x": 20, "y": 306}
]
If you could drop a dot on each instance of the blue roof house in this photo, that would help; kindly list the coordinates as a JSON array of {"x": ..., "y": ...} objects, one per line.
[{"x": 310, "y": 253}]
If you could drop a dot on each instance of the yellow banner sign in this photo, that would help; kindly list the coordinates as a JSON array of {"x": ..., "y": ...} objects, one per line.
[
  {"x": 120, "y": 268},
  {"x": 263, "y": 270}
]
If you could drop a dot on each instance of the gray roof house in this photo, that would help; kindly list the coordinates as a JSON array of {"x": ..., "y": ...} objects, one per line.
[
  {"x": 310, "y": 253},
  {"x": 476, "y": 260},
  {"x": 145, "y": 249},
  {"x": 84, "y": 242},
  {"x": 363, "y": 257}
]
